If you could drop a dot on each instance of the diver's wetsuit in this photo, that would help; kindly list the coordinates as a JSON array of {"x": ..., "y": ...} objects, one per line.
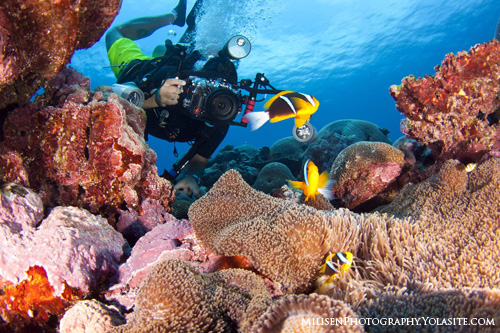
[
  {"x": 182, "y": 128},
  {"x": 177, "y": 126}
]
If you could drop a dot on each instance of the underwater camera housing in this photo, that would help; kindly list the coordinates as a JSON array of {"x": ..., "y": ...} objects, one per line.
[
  {"x": 305, "y": 134},
  {"x": 130, "y": 92},
  {"x": 213, "y": 100}
]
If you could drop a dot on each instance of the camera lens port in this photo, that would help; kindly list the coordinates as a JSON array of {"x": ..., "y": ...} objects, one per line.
[{"x": 222, "y": 104}]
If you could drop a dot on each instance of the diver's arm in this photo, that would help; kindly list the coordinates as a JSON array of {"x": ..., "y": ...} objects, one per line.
[
  {"x": 189, "y": 184},
  {"x": 169, "y": 94}
]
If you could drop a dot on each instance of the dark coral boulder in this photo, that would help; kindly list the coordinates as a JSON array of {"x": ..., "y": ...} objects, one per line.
[
  {"x": 38, "y": 38},
  {"x": 340, "y": 134},
  {"x": 363, "y": 170}
]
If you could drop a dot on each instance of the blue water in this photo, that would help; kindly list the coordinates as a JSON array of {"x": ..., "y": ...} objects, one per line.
[{"x": 346, "y": 53}]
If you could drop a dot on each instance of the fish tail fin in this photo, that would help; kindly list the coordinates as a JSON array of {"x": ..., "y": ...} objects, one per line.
[
  {"x": 325, "y": 186},
  {"x": 256, "y": 119},
  {"x": 295, "y": 184}
]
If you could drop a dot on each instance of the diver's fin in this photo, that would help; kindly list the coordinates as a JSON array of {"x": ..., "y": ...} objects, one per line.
[
  {"x": 180, "y": 13},
  {"x": 256, "y": 119},
  {"x": 325, "y": 186},
  {"x": 275, "y": 97},
  {"x": 295, "y": 184}
]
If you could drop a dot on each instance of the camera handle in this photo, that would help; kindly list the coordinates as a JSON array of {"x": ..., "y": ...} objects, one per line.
[
  {"x": 253, "y": 89},
  {"x": 260, "y": 80}
]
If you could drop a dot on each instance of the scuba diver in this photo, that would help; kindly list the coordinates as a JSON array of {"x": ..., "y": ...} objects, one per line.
[{"x": 158, "y": 78}]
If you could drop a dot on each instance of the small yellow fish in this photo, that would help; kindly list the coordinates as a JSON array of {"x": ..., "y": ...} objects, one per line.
[
  {"x": 313, "y": 183},
  {"x": 284, "y": 105},
  {"x": 470, "y": 167},
  {"x": 336, "y": 264}
]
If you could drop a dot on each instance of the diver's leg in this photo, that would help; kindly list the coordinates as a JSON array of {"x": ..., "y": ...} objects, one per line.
[
  {"x": 144, "y": 26},
  {"x": 497, "y": 33},
  {"x": 190, "y": 32},
  {"x": 180, "y": 12}
]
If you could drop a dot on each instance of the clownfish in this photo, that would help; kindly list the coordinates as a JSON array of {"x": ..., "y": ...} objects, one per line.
[
  {"x": 313, "y": 183},
  {"x": 336, "y": 264},
  {"x": 284, "y": 105},
  {"x": 470, "y": 167}
]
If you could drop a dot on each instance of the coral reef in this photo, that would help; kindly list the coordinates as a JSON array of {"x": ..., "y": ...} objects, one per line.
[
  {"x": 133, "y": 226},
  {"x": 321, "y": 203},
  {"x": 85, "y": 149},
  {"x": 31, "y": 302},
  {"x": 100, "y": 249},
  {"x": 336, "y": 136},
  {"x": 90, "y": 316},
  {"x": 448, "y": 240},
  {"x": 457, "y": 306},
  {"x": 287, "y": 242},
  {"x": 272, "y": 176},
  {"x": 433, "y": 251},
  {"x": 290, "y": 152},
  {"x": 175, "y": 297},
  {"x": 284, "y": 241},
  {"x": 19, "y": 206},
  {"x": 38, "y": 38},
  {"x": 11, "y": 167},
  {"x": 363, "y": 170},
  {"x": 457, "y": 110},
  {"x": 332, "y": 139},
  {"x": 246, "y": 159},
  {"x": 319, "y": 312},
  {"x": 180, "y": 208},
  {"x": 456, "y": 209},
  {"x": 172, "y": 240}
]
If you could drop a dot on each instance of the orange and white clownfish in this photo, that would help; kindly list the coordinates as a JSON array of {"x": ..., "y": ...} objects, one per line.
[
  {"x": 314, "y": 183},
  {"x": 284, "y": 105},
  {"x": 336, "y": 264}
]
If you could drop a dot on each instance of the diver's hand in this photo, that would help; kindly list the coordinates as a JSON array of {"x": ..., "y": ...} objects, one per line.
[
  {"x": 170, "y": 92},
  {"x": 189, "y": 186}
]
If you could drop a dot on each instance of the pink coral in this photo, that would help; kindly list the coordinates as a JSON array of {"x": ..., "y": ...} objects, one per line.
[
  {"x": 73, "y": 246},
  {"x": 457, "y": 110},
  {"x": 87, "y": 150},
  {"x": 172, "y": 240},
  {"x": 19, "y": 206}
]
